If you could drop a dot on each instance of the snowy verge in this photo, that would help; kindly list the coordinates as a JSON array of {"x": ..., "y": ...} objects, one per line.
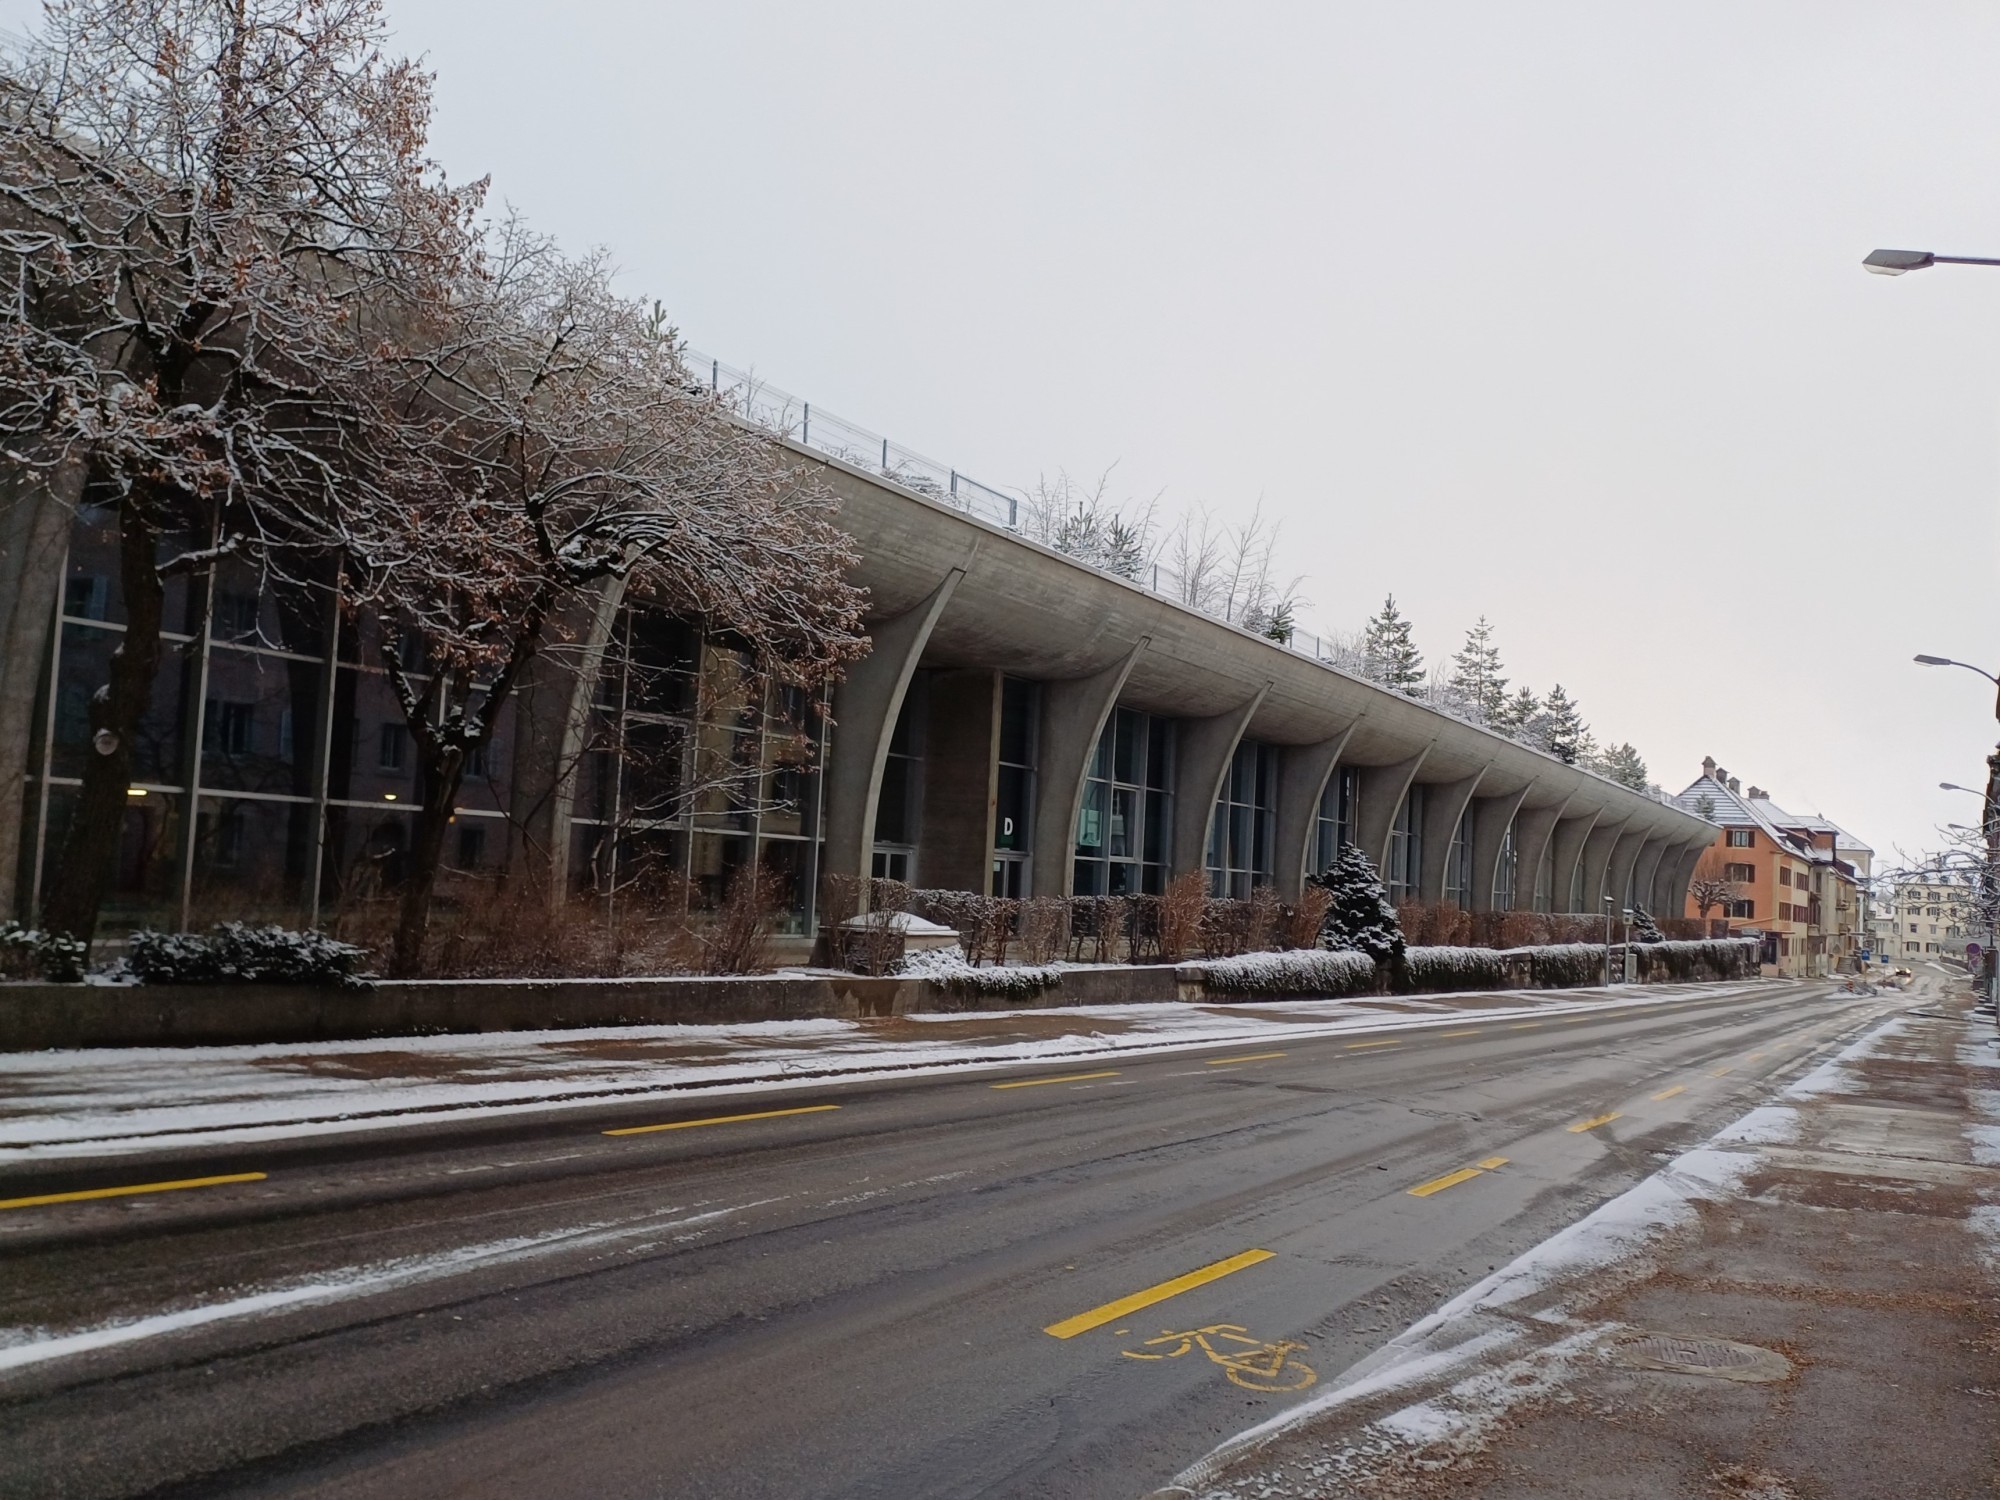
[{"x": 1506, "y": 1337}]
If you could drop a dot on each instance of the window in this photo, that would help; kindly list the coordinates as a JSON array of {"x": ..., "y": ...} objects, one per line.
[
  {"x": 1742, "y": 838},
  {"x": 1458, "y": 861},
  {"x": 1744, "y": 873},
  {"x": 1743, "y": 909},
  {"x": 1505, "y": 873},
  {"x": 1784, "y": 875},
  {"x": 1784, "y": 911},
  {"x": 87, "y": 597},
  {"x": 1123, "y": 830},
  {"x": 235, "y": 616},
  {"x": 471, "y": 846},
  {"x": 1014, "y": 810},
  {"x": 1406, "y": 847},
  {"x": 1338, "y": 806},
  {"x": 229, "y": 728},
  {"x": 897, "y": 809},
  {"x": 1241, "y": 828},
  {"x": 391, "y": 746}
]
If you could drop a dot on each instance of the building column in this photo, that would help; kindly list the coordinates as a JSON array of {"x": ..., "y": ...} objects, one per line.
[
  {"x": 1534, "y": 830},
  {"x": 1625, "y": 862},
  {"x": 1569, "y": 838},
  {"x": 961, "y": 780},
  {"x": 865, "y": 706},
  {"x": 1445, "y": 804},
  {"x": 552, "y": 710},
  {"x": 1596, "y": 863},
  {"x": 1303, "y": 772},
  {"x": 1492, "y": 817},
  {"x": 1645, "y": 872},
  {"x": 1382, "y": 791},
  {"x": 1202, "y": 752},
  {"x": 1677, "y": 874},
  {"x": 1074, "y": 714},
  {"x": 36, "y": 512}
]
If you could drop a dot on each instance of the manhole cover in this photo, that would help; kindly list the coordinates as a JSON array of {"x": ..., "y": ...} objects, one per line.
[{"x": 1721, "y": 1358}]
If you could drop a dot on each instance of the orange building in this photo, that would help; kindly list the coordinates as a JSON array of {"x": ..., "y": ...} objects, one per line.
[{"x": 1788, "y": 882}]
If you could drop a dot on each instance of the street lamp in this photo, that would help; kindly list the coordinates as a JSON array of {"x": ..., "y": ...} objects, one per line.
[
  {"x": 1952, "y": 786},
  {"x": 1896, "y": 262},
  {"x": 1989, "y": 822}
]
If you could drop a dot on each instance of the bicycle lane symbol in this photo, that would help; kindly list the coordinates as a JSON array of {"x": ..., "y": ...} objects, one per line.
[{"x": 1251, "y": 1363}]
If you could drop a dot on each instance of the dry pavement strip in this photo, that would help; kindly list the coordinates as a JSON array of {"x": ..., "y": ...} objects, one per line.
[{"x": 852, "y": 1294}]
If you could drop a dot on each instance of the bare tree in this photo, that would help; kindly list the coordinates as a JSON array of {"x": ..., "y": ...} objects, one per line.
[
  {"x": 554, "y": 449},
  {"x": 1707, "y": 893},
  {"x": 198, "y": 201}
]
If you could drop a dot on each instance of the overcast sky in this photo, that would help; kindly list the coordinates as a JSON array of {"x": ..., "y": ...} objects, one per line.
[{"x": 1550, "y": 312}]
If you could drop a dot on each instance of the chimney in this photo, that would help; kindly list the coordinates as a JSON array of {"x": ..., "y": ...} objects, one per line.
[
  {"x": 1708, "y": 765},
  {"x": 1758, "y": 794},
  {"x": 1735, "y": 786}
]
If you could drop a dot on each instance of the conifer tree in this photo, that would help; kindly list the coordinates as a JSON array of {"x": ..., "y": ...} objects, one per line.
[
  {"x": 1623, "y": 765},
  {"x": 1390, "y": 655},
  {"x": 1475, "y": 673},
  {"x": 1562, "y": 730},
  {"x": 1518, "y": 712},
  {"x": 1362, "y": 918}
]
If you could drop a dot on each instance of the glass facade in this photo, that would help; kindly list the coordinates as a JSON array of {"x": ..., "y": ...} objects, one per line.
[
  {"x": 1242, "y": 827},
  {"x": 1333, "y": 827},
  {"x": 1405, "y": 868},
  {"x": 1545, "y": 876},
  {"x": 1505, "y": 873},
  {"x": 1014, "y": 789},
  {"x": 1124, "y": 830},
  {"x": 1458, "y": 861},
  {"x": 276, "y": 779},
  {"x": 899, "y": 808}
]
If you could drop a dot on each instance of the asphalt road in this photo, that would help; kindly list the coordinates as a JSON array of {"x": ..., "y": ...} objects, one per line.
[{"x": 991, "y": 1284}]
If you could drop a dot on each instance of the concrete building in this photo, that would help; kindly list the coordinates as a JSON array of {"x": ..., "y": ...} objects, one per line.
[
  {"x": 1024, "y": 724},
  {"x": 1801, "y": 883},
  {"x": 1924, "y": 919}
]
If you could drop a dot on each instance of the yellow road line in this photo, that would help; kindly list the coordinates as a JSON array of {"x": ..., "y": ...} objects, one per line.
[
  {"x": 1491, "y": 1162},
  {"x": 126, "y": 1192},
  {"x": 1216, "y": 1062},
  {"x": 1582, "y": 1125},
  {"x": 1110, "y": 1312},
  {"x": 1718, "y": 1072},
  {"x": 1524, "y": 1026},
  {"x": 1029, "y": 1083},
  {"x": 1756, "y": 1057},
  {"x": 1357, "y": 1046},
  {"x": 1450, "y": 1179},
  {"x": 1458, "y": 1033},
  {"x": 762, "y": 1114},
  {"x": 1574, "y": 1020},
  {"x": 1679, "y": 1088}
]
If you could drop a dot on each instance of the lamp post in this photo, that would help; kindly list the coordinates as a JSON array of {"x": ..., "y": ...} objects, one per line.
[
  {"x": 1989, "y": 824},
  {"x": 1896, "y": 262},
  {"x": 1608, "y": 903}
]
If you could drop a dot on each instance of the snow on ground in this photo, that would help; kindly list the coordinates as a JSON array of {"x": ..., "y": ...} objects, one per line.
[{"x": 104, "y": 1101}]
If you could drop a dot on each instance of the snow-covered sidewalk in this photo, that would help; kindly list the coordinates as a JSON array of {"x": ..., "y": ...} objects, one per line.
[
  {"x": 1808, "y": 1305},
  {"x": 98, "y": 1102}
]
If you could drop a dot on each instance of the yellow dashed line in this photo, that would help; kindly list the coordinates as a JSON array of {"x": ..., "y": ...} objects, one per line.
[
  {"x": 126, "y": 1192},
  {"x": 762, "y": 1114},
  {"x": 1450, "y": 1179},
  {"x": 1029, "y": 1083},
  {"x": 1357, "y": 1046},
  {"x": 1216, "y": 1062},
  {"x": 1679, "y": 1088},
  {"x": 1582, "y": 1125},
  {"x": 1491, "y": 1162}
]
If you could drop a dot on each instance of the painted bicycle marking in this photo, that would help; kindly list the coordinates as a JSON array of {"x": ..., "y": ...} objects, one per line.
[{"x": 1249, "y": 1362}]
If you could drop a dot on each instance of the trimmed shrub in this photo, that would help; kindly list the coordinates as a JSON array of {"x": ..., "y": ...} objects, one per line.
[
  {"x": 1566, "y": 966},
  {"x": 1439, "y": 970},
  {"x": 26, "y": 952},
  {"x": 948, "y": 967},
  {"x": 1725, "y": 958},
  {"x": 1299, "y": 972},
  {"x": 235, "y": 953}
]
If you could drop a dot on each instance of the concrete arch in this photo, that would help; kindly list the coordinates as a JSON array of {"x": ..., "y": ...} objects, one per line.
[
  {"x": 1570, "y": 838},
  {"x": 1445, "y": 804},
  {"x": 1534, "y": 833},
  {"x": 1596, "y": 861},
  {"x": 1382, "y": 791},
  {"x": 552, "y": 714},
  {"x": 1074, "y": 714},
  {"x": 1203, "y": 750},
  {"x": 865, "y": 706},
  {"x": 1624, "y": 855},
  {"x": 1648, "y": 867},
  {"x": 1494, "y": 817},
  {"x": 1303, "y": 772}
]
